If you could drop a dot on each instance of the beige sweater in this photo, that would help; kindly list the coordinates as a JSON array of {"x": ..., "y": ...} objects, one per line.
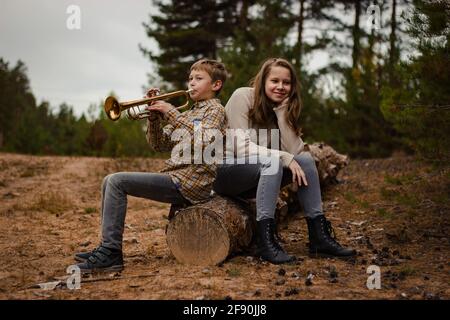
[{"x": 237, "y": 108}]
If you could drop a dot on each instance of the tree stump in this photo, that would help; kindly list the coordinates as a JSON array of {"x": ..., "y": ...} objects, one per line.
[{"x": 207, "y": 233}]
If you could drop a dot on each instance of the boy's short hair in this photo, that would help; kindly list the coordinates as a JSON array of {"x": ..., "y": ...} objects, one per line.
[{"x": 214, "y": 68}]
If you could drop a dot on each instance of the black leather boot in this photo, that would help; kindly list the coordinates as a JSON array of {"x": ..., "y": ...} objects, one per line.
[
  {"x": 267, "y": 247},
  {"x": 321, "y": 241}
]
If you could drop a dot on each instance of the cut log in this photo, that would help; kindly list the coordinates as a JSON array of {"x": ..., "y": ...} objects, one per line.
[{"x": 207, "y": 233}]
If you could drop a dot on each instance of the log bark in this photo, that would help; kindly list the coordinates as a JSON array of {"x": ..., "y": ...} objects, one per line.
[
  {"x": 328, "y": 162},
  {"x": 207, "y": 233}
]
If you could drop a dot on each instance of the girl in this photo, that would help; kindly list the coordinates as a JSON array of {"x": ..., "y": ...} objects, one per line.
[{"x": 273, "y": 103}]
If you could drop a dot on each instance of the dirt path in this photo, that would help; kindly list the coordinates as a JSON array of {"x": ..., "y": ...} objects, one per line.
[{"x": 393, "y": 211}]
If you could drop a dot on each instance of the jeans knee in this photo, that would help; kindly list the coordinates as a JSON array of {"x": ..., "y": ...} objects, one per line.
[
  {"x": 105, "y": 181},
  {"x": 271, "y": 165},
  {"x": 114, "y": 179},
  {"x": 305, "y": 160}
]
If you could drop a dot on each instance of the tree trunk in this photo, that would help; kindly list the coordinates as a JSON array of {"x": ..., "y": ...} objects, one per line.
[
  {"x": 393, "y": 50},
  {"x": 299, "y": 47},
  {"x": 207, "y": 233},
  {"x": 243, "y": 15},
  {"x": 356, "y": 34}
]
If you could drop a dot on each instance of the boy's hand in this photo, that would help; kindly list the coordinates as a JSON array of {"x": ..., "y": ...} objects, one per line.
[
  {"x": 160, "y": 106},
  {"x": 153, "y": 115},
  {"x": 151, "y": 93}
]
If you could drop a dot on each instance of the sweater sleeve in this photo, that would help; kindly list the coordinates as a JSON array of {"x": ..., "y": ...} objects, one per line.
[
  {"x": 290, "y": 141},
  {"x": 237, "y": 109}
]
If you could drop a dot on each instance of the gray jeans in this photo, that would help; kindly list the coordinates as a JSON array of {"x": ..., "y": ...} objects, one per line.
[
  {"x": 116, "y": 187},
  {"x": 243, "y": 179}
]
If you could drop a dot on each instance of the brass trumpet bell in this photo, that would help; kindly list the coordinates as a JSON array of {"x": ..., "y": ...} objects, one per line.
[{"x": 114, "y": 108}]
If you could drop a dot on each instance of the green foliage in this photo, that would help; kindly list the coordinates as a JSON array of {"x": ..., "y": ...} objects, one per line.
[
  {"x": 28, "y": 128},
  {"x": 15, "y": 102},
  {"x": 262, "y": 37},
  {"x": 125, "y": 137},
  {"x": 365, "y": 131},
  {"x": 419, "y": 105}
]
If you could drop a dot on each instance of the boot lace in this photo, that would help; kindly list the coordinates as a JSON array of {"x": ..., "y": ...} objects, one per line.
[
  {"x": 274, "y": 241},
  {"x": 269, "y": 235},
  {"x": 329, "y": 231}
]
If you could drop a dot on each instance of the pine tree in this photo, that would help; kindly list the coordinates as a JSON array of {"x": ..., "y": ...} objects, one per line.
[
  {"x": 16, "y": 100},
  {"x": 419, "y": 106},
  {"x": 186, "y": 31}
]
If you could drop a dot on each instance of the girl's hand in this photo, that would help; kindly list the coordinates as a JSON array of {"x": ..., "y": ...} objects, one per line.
[
  {"x": 297, "y": 173},
  {"x": 160, "y": 106},
  {"x": 283, "y": 103}
]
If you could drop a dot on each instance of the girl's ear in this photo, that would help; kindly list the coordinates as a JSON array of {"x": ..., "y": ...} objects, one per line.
[{"x": 217, "y": 85}]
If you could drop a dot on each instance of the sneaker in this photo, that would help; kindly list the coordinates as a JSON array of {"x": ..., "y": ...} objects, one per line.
[
  {"x": 103, "y": 260},
  {"x": 83, "y": 256}
]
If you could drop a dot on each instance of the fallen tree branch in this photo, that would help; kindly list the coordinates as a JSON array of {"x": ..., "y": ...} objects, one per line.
[{"x": 61, "y": 282}]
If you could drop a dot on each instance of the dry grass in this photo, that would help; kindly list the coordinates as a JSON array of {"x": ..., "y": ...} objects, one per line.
[
  {"x": 394, "y": 211},
  {"x": 52, "y": 202}
]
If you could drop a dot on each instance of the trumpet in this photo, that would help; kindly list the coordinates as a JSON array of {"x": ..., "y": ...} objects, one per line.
[{"x": 114, "y": 108}]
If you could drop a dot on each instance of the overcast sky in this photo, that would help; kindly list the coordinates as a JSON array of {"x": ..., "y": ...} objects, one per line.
[{"x": 78, "y": 66}]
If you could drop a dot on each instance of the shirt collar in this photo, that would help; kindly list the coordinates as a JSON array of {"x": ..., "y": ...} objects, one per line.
[{"x": 204, "y": 103}]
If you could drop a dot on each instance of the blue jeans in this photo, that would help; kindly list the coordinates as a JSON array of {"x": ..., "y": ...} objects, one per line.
[
  {"x": 268, "y": 177},
  {"x": 116, "y": 187}
]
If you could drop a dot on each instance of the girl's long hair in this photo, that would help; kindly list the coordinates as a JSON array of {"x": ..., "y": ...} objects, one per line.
[{"x": 262, "y": 113}]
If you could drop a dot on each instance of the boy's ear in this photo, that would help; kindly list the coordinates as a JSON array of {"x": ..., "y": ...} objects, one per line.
[{"x": 217, "y": 85}]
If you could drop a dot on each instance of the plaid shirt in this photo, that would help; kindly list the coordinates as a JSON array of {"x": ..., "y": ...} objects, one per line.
[{"x": 194, "y": 179}]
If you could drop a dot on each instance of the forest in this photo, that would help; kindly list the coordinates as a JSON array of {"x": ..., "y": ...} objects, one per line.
[{"x": 384, "y": 86}]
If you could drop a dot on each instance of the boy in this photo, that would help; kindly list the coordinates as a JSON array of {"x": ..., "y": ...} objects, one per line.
[{"x": 180, "y": 182}]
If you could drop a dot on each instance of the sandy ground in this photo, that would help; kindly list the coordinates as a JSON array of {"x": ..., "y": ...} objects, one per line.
[{"x": 394, "y": 211}]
